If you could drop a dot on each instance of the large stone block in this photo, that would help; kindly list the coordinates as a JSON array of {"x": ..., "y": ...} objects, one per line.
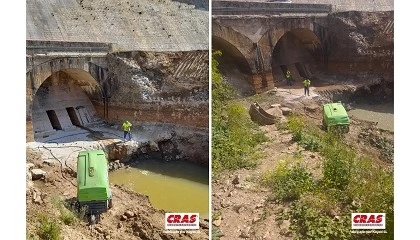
[{"x": 37, "y": 174}]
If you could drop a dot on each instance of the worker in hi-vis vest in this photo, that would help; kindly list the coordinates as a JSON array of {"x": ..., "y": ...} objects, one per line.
[
  {"x": 306, "y": 83},
  {"x": 288, "y": 78},
  {"x": 126, "y": 127}
]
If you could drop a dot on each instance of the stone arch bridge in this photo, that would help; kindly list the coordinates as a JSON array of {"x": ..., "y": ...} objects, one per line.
[
  {"x": 76, "y": 84},
  {"x": 65, "y": 82},
  {"x": 263, "y": 39}
]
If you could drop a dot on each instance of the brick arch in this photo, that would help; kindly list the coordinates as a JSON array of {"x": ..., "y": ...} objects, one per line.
[
  {"x": 39, "y": 73},
  {"x": 87, "y": 76},
  {"x": 87, "y": 73},
  {"x": 301, "y": 58},
  {"x": 270, "y": 38},
  {"x": 241, "y": 42}
]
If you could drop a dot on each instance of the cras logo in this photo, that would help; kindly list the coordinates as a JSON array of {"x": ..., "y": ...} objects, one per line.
[
  {"x": 368, "y": 221},
  {"x": 180, "y": 221}
]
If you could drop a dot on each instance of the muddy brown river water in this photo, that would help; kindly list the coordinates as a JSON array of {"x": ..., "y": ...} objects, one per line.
[
  {"x": 381, "y": 113},
  {"x": 177, "y": 186}
]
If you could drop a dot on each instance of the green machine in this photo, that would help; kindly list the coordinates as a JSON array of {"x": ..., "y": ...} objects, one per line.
[
  {"x": 93, "y": 192},
  {"x": 334, "y": 117}
]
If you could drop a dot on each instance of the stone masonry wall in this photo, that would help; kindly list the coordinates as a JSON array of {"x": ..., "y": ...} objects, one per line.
[
  {"x": 158, "y": 25},
  {"x": 170, "y": 87},
  {"x": 362, "y": 42}
]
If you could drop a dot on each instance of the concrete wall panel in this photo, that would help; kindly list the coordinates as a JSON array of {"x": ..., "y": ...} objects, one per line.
[
  {"x": 58, "y": 97},
  {"x": 128, "y": 25}
]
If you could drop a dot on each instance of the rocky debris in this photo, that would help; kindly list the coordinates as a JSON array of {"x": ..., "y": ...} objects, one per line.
[
  {"x": 204, "y": 223},
  {"x": 114, "y": 224},
  {"x": 375, "y": 139},
  {"x": 70, "y": 172},
  {"x": 37, "y": 196},
  {"x": 119, "y": 225},
  {"x": 139, "y": 229},
  {"x": 186, "y": 143},
  {"x": 216, "y": 205},
  {"x": 285, "y": 224},
  {"x": 169, "y": 150},
  {"x": 218, "y": 221},
  {"x": 99, "y": 229},
  {"x": 275, "y": 111},
  {"x": 115, "y": 165},
  {"x": 216, "y": 233},
  {"x": 102, "y": 231},
  {"x": 259, "y": 205},
  {"x": 286, "y": 111},
  {"x": 48, "y": 162},
  {"x": 224, "y": 203},
  {"x": 240, "y": 208},
  {"x": 129, "y": 214},
  {"x": 260, "y": 214},
  {"x": 312, "y": 108},
  {"x": 272, "y": 91},
  {"x": 153, "y": 146},
  {"x": 292, "y": 104},
  {"x": 29, "y": 166},
  {"x": 245, "y": 232},
  {"x": 164, "y": 136},
  {"x": 255, "y": 219},
  {"x": 29, "y": 187},
  {"x": 37, "y": 174},
  {"x": 118, "y": 151},
  {"x": 235, "y": 180}
]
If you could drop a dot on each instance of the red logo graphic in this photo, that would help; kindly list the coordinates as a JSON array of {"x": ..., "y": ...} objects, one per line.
[
  {"x": 368, "y": 220},
  {"x": 182, "y": 221}
]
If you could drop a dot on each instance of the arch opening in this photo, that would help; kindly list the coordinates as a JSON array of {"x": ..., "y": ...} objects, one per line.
[
  {"x": 65, "y": 101},
  {"x": 297, "y": 50},
  {"x": 233, "y": 66}
]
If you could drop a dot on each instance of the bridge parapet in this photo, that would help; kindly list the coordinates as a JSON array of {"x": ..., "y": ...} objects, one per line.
[
  {"x": 258, "y": 8},
  {"x": 48, "y": 47}
]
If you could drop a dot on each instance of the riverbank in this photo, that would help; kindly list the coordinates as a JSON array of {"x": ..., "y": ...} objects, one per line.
[
  {"x": 243, "y": 207},
  {"x": 51, "y": 188},
  {"x": 175, "y": 186},
  {"x": 382, "y": 114}
]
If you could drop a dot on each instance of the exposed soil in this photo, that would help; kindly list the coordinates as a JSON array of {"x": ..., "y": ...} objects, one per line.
[
  {"x": 241, "y": 208},
  {"x": 131, "y": 217}
]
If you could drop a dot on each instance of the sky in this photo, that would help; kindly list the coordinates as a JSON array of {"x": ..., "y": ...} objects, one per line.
[{"x": 13, "y": 104}]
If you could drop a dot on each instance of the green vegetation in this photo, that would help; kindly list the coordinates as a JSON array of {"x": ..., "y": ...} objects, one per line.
[
  {"x": 68, "y": 217},
  {"x": 321, "y": 208},
  {"x": 289, "y": 181},
  {"x": 69, "y": 214},
  {"x": 234, "y": 136},
  {"x": 48, "y": 228},
  {"x": 216, "y": 234},
  {"x": 318, "y": 207}
]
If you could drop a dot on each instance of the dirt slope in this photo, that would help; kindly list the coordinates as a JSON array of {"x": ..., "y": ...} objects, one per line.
[
  {"x": 131, "y": 217},
  {"x": 241, "y": 205}
]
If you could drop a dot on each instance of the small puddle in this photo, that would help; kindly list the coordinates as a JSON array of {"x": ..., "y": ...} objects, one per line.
[
  {"x": 177, "y": 186},
  {"x": 381, "y": 113}
]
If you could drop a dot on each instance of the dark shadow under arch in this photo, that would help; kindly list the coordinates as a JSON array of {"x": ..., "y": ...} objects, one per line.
[
  {"x": 233, "y": 66},
  {"x": 298, "y": 51},
  {"x": 65, "y": 100}
]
